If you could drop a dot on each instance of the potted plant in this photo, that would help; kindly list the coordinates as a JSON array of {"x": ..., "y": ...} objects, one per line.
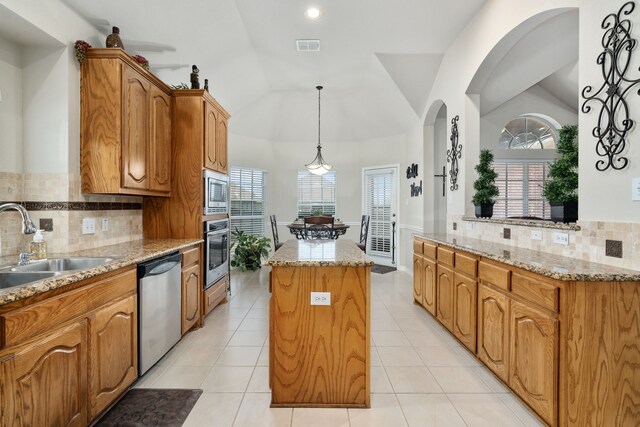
[
  {"x": 486, "y": 189},
  {"x": 561, "y": 189},
  {"x": 249, "y": 250}
]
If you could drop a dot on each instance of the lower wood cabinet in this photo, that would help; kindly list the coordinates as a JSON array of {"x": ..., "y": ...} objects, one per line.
[
  {"x": 533, "y": 374},
  {"x": 464, "y": 310},
  {"x": 45, "y": 381},
  {"x": 417, "y": 279},
  {"x": 429, "y": 285},
  {"x": 113, "y": 353},
  {"x": 214, "y": 294},
  {"x": 191, "y": 291},
  {"x": 444, "y": 296},
  {"x": 493, "y": 331}
]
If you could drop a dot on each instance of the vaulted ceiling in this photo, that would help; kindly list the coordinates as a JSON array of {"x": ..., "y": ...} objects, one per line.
[{"x": 377, "y": 62}]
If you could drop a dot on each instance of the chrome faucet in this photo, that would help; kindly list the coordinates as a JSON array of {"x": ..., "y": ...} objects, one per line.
[{"x": 28, "y": 227}]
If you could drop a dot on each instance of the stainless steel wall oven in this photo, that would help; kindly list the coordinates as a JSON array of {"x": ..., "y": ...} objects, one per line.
[{"x": 217, "y": 237}]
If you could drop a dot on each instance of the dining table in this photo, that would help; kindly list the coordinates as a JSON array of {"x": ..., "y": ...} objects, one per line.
[{"x": 298, "y": 229}]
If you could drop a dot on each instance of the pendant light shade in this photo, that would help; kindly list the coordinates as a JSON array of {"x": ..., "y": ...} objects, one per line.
[{"x": 318, "y": 166}]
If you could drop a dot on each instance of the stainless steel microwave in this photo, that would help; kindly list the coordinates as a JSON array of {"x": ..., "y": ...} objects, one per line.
[{"x": 216, "y": 193}]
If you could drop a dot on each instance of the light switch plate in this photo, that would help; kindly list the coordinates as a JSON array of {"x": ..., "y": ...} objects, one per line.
[
  {"x": 320, "y": 298},
  {"x": 536, "y": 235},
  {"x": 468, "y": 226},
  {"x": 105, "y": 224},
  {"x": 88, "y": 225},
  {"x": 635, "y": 189},
  {"x": 561, "y": 238}
]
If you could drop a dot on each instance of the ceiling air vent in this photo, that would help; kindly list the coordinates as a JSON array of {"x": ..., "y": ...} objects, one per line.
[{"x": 308, "y": 45}]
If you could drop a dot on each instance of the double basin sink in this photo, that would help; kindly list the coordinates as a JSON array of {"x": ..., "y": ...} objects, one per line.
[{"x": 44, "y": 269}]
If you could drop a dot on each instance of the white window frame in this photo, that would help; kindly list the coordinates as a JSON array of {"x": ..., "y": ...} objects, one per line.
[
  {"x": 304, "y": 173},
  {"x": 263, "y": 229},
  {"x": 525, "y": 186}
]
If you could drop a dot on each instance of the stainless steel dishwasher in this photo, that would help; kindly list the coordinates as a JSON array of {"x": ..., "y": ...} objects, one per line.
[{"x": 159, "y": 308}]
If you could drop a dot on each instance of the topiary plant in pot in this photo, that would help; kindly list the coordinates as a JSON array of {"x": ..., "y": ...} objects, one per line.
[
  {"x": 249, "y": 250},
  {"x": 561, "y": 188},
  {"x": 486, "y": 189}
]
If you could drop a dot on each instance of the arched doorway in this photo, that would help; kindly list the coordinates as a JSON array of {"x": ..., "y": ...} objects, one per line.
[{"x": 435, "y": 175}]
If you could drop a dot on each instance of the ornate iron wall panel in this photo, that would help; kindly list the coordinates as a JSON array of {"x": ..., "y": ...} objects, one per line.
[
  {"x": 454, "y": 154},
  {"x": 614, "y": 122}
]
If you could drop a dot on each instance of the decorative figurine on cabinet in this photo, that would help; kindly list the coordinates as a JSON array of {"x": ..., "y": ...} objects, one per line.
[
  {"x": 206, "y": 85},
  {"x": 195, "y": 83}
]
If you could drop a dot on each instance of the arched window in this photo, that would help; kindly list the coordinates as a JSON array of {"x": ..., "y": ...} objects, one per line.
[{"x": 529, "y": 132}]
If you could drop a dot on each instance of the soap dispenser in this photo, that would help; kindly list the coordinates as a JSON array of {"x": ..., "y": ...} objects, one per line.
[{"x": 38, "y": 247}]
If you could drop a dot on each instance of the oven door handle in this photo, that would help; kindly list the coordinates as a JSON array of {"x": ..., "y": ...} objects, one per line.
[{"x": 215, "y": 233}]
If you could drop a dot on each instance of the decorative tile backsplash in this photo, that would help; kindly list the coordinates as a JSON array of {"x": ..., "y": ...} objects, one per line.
[
  {"x": 58, "y": 197},
  {"x": 588, "y": 243}
]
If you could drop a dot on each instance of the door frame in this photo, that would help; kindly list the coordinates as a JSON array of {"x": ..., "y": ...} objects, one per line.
[{"x": 395, "y": 243}]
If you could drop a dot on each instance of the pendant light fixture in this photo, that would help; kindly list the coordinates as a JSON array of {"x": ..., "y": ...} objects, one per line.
[{"x": 318, "y": 166}]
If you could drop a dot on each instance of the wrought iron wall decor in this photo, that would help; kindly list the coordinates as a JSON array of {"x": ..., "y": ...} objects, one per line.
[
  {"x": 613, "y": 119},
  {"x": 412, "y": 171},
  {"x": 416, "y": 190},
  {"x": 454, "y": 154}
]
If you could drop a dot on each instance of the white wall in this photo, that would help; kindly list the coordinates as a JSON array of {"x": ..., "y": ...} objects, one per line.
[
  {"x": 283, "y": 160},
  {"x": 10, "y": 107}
]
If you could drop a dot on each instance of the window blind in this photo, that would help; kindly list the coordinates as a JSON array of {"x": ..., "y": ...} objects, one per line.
[
  {"x": 520, "y": 185},
  {"x": 316, "y": 193},
  {"x": 247, "y": 200},
  {"x": 379, "y": 204}
]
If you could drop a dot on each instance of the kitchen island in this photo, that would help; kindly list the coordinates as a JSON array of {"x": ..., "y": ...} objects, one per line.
[{"x": 319, "y": 343}]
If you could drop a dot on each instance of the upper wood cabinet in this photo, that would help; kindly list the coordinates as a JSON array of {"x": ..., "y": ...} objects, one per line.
[
  {"x": 215, "y": 135},
  {"x": 221, "y": 144},
  {"x": 125, "y": 136}
]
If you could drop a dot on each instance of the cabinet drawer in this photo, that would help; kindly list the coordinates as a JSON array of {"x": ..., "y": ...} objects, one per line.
[
  {"x": 417, "y": 247},
  {"x": 445, "y": 256},
  {"x": 429, "y": 250},
  {"x": 190, "y": 257},
  {"x": 542, "y": 293},
  {"x": 214, "y": 294},
  {"x": 494, "y": 275},
  {"x": 466, "y": 264}
]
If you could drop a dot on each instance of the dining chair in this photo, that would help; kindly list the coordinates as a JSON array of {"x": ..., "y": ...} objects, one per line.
[
  {"x": 319, "y": 227},
  {"x": 274, "y": 230},
  {"x": 364, "y": 232}
]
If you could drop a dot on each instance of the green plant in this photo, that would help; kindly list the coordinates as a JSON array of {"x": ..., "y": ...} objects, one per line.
[
  {"x": 316, "y": 212},
  {"x": 562, "y": 185},
  {"x": 249, "y": 250},
  {"x": 180, "y": 86},
  {"x": 486, "y": 190},
  {"x": 81, "y": 48}
]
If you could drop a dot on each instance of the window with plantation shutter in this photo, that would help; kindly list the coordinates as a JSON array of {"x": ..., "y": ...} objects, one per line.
[
  {"x": 379, "y": 205},
  {"x": 316, "y": 193},
  {"x": 520, "y": 185},
  {"x": 247, "y": 200}
]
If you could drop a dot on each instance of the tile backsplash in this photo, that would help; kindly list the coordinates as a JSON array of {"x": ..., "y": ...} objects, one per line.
[
  {"x": 588, "y": 243},
  {"x": 124, "y": 224}
]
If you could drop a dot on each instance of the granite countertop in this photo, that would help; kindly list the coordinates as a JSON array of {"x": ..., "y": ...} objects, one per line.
[
  {"x": 319, "y": 253},
  {"x": 550, "y": 265},
  {"x": 125, "y": 254}
]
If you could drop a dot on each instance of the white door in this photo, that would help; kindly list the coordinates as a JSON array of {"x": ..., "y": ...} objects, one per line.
[{"x": 380, "y": 203}]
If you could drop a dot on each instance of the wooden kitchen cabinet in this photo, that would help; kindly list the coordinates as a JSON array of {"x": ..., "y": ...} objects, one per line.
[
  {"x": 221, "y": 144},
  {"x": 533, "y": 373},
  {"x": 113, "y": 353},
  {"x": 464, "y": 312},
  {"x": 214, "y": 294},
  {"x": 444, "y": 296},
  {"x": 493, "y": 331},
  {"x": 417, "y": 279},
  {"x": 191, "y": 289},
  {"x": 45, "y": 380},
  {"x": 429, "y": 285},
  {"x": 210, "y": 136},
  {"x": 125, "y": 136}
]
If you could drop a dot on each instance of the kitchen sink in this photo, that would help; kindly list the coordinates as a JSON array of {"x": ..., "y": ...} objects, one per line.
[
  {"x": 9, "y": 279},
  {"x": 62, "y": 264}
]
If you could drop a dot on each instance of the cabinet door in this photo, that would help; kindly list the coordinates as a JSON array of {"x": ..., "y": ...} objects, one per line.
[
  {"x": 48, "y": 380},
  {"x": 429, "y": 285},
  {"x": 493, "y": 331},
  {"x": 113, "y": 353},
  {"x": 533, "y": 374},
  {"x": 464, "y": 313},
  {"x": 210, "y": 136},
  {"x": 444, "y": 296},
  {"x": 160, "y": 142},
  {"x": 191, "y": 291},
  {"x": 221, "y": 144},
  {"x": 135, "y": 132},
  {"x": 417, "y": 279}
]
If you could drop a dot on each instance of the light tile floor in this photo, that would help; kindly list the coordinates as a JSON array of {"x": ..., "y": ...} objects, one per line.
[{"x": 420, "y": 375}]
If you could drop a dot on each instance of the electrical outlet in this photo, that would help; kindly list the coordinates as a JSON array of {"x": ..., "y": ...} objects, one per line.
[
  {"x": 105, "y": 224},
  {"x": 468, "y": 226},
  {"x": 536, "y": 235},
  {"x": 561, "y": 238},
  {"x": 635, "y": 189},
  {"x": 88, "y": 225},
  {"x": 320, "y": 298}
]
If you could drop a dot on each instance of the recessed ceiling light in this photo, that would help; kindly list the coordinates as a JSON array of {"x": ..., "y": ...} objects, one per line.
[{"x": 312, "y": 13}]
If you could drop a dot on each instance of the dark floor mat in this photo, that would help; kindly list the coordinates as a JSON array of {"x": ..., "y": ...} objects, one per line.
[
  {"x": 152, "y": 407},
  {"x": 382, "y": 269}
]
